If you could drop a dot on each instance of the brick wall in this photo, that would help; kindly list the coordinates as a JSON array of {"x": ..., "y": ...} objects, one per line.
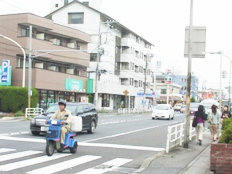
[{"x": 221, "y": 158}]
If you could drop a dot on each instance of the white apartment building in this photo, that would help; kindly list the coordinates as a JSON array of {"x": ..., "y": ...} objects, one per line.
[{"x": 124, "y": 58}]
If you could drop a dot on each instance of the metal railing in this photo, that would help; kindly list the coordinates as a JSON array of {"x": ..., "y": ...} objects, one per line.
[
  {"x": 31, "y": 112},
  {"x": 131, "y": 110},
  {"x": 175, "y": 135}
]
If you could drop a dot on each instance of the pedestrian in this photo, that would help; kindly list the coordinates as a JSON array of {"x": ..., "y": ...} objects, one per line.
[
  {"x": 214, "y": 121},
  {"x": 200, "y": 116},
  {"x": 225, "y": 114}
]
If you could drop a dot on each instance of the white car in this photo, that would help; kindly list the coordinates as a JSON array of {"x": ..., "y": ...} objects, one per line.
[
  {"x": 163, "y": 111},
  {"x": 177, "y": 107}
]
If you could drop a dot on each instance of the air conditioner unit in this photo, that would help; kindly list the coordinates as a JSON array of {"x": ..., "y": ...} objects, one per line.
[
  {"x": 40, "y": 36},
  {"x": 52, "y": 68},
  {"x": 39, "y": 65},
  {"x": 72, "y": 45},
  {"x": 70, "y": 71},
  {"x": 53, "y": 41}
]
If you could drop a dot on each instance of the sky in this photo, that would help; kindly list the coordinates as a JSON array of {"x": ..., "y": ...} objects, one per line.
[{"x": 162, "y": 22}]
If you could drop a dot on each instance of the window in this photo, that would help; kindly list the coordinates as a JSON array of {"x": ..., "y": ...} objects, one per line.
[
  {"x": 86, "y": 3},
  {"x": 76, "y": 18},
  {"x": 163, "y": 91},
  {"x": 57, "y": 5},
  {"x": 105, "y": 100},
  {"x": 24, "y": 32},
  {"x": 93, "y": 57}
]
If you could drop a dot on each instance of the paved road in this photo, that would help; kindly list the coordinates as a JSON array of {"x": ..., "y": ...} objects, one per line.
[{"x": 120, "y": 145}]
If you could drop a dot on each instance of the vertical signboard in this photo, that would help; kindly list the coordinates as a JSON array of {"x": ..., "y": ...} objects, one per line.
[
  {"x": 89, "y": 86},
  {"x": 5, "y": 71}
]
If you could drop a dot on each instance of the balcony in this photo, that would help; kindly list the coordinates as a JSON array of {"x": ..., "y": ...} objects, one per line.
[{"x": 45, "y": 79}]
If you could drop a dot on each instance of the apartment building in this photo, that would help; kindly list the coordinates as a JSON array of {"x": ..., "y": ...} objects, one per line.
[
  {"x": 56, "y": 75},
  {"x": 124, "y": 59}
]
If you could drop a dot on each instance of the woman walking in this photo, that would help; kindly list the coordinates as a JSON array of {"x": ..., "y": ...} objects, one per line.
[
  {"x": 200, "y": 116},
  {"x": 214, "y": 120}
]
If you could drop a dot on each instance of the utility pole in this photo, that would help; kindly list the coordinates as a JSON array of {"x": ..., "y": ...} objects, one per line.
[
  {"x": 145, "y": 81},
  {"x": 220, "y": 88},
  {"x": 168, "y": 93},
  {"x": 187, "y": 125},
  {"x": 172, "y": 84},
  {"x": 229, "y": 108},
  {"x": 29, "y": 67}
]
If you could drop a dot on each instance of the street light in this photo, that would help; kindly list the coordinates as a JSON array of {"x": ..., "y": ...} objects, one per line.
[
  {"x": 220, "y": 87},
  {"x": 24, "y": 56}
]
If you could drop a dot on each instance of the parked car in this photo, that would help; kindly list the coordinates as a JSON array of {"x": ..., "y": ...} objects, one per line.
[
  {"x": 183, "y": 108},
  {"x": 85, "y": 110},
  {"x": 177, "y": 107},
  {"x": 164, "y": 111}
]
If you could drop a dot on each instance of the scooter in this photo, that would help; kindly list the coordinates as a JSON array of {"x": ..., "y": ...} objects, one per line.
[{"x": 53, "y": 135}]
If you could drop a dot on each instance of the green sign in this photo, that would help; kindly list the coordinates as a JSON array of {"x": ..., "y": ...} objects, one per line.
[
  {"x": 73, "y": 84},
  {"x": 89, "y": 86},
  {"x": 10, "y": 77}
]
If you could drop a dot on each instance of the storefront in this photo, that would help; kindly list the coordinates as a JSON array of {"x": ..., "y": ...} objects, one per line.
[{"x": 46, "y": 98}]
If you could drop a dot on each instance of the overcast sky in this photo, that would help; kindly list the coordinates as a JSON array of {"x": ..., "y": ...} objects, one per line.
[{"x": 163, "y": 22}]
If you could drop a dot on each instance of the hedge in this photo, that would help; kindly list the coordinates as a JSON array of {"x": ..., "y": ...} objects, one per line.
[
  {"x": 226, "y": 131},
  {"x": 15, "y": 99}
]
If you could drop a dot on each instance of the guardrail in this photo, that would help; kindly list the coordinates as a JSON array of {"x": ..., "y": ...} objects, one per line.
[
  {"x": 131, "y": 110},
  {"x": 33, "y": 112},
  {"x": 175, "y": 135}
]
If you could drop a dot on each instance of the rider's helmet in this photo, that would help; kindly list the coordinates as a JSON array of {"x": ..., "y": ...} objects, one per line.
[{"x": 62, "y": 102}]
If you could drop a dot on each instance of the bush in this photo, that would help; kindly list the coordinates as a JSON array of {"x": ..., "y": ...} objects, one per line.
[
  {"x": 226, "y": 131},
  {"x": 19, "y": 114},
  {"x": 192, "y": 100},
  {"x": 15, "y": 99}
]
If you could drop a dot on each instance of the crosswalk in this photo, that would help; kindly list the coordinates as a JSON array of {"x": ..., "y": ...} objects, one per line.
[{"x": 12, "y": 160}]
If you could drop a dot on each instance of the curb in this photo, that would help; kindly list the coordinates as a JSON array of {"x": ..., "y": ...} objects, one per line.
[
  {"x": 148, "y": 161},
  {"x": 192, "y": 162}
]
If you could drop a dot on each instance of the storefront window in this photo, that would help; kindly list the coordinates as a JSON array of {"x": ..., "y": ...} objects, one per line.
[
  {"x": 43, "y": 99},
  {"x": 51, "y": 98},
  {"x": 46, "y": 98},
  {"x": 105, "y": 100},
  {"x": 70, "y": 97}
]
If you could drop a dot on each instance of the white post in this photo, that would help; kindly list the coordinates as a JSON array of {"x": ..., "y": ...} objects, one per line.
[
  {"x": 168, "y": 139},
  {"x": 24, "y": 57},
  {"x": 29, "y": 68},
  {"x": 167, "y": 93}
]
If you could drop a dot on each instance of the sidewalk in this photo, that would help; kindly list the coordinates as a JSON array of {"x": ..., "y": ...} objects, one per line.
[{"x": 194, "y": 160}]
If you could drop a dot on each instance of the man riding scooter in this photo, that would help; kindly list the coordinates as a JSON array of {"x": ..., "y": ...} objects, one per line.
[{"x": 60, "y": 115}]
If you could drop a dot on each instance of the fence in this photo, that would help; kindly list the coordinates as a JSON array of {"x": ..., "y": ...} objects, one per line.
[
  {"x": 33, "y": 112},
  {"x": 131, "y": 110},
  {"x": 175, "y": 135}
]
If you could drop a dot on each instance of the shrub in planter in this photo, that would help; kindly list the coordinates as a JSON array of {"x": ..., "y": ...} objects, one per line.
[
  {"x": 15, "y": 98},
  {"x": 221, "y": 153}
]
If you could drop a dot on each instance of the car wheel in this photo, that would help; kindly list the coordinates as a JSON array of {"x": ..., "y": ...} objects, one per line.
[
  {"x": 169, "y": 118},
  {"x": 153, "y": 118},
  {"x": 92, "y": 128},
  {"x": 35, "y": 133}
]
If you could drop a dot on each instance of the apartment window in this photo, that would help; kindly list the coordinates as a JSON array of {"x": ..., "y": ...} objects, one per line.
[
  {"x": 86, "y": 3},
  {"x": 163, "y": 91},
  {"x": 24, "y": 32},
  {"x": 93, "y": 57},
  {"x": 57, "y": 5},
  {"x": 76, "y": 18}
]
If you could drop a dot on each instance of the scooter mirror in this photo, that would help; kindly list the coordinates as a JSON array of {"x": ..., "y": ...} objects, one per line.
[{"x": 66, "y": 115}]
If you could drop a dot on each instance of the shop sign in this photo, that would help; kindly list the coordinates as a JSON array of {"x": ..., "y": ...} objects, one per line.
[
  {"x": 73, "y": 84},
  {"x": 142, "y": 94},
  {"x": 5, "y": 73},
  {"x": 89, "y": 86}
]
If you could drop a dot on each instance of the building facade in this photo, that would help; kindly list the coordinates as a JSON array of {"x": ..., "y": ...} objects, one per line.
[
  {"x": 182, "y": 81},
  {"x": 124, "y": 59},
  {"x": 57, "y": 75}
]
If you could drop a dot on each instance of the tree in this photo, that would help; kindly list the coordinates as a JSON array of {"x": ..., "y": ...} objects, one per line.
[{"x": 193, "y": 100}]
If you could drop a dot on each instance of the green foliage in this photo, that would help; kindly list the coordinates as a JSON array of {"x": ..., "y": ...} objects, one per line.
[
  {"x": 226, "y": 131},
  {"x": 15, "y": 98},
  {"x": 192, "y": 100},
  {"x": 90, "y": 97},
  {"x": 19, "y": 114}
]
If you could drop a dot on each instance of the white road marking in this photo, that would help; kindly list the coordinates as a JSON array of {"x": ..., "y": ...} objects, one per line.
[
  {"x": 29, "y": 162},
  {"x": 130, "y": 132},
  {"x": 64, "y": 165},
  {"x": 33, "y": 140},
  {"x": 108, "y": 166},
  {"x": 118, "y": 146},
  {"x": 2, "y": 150},
  {"x": 18, "y": 155},
  {"x": 15, "y": 133}
]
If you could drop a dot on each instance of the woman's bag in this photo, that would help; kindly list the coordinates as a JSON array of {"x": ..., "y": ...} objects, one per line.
[{"x": 194, "y": 123}]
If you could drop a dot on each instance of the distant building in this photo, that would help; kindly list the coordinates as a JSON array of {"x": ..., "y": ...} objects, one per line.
[{"x": 182, "y": 81}]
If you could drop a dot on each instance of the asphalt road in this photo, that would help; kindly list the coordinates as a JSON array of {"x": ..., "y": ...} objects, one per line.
[{"x": 119, "y": 145}]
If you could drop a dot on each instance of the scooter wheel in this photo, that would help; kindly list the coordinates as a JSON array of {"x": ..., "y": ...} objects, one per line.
[
  {"x": 74, "y": 148},
  {"x": 49, "y": 148}
]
